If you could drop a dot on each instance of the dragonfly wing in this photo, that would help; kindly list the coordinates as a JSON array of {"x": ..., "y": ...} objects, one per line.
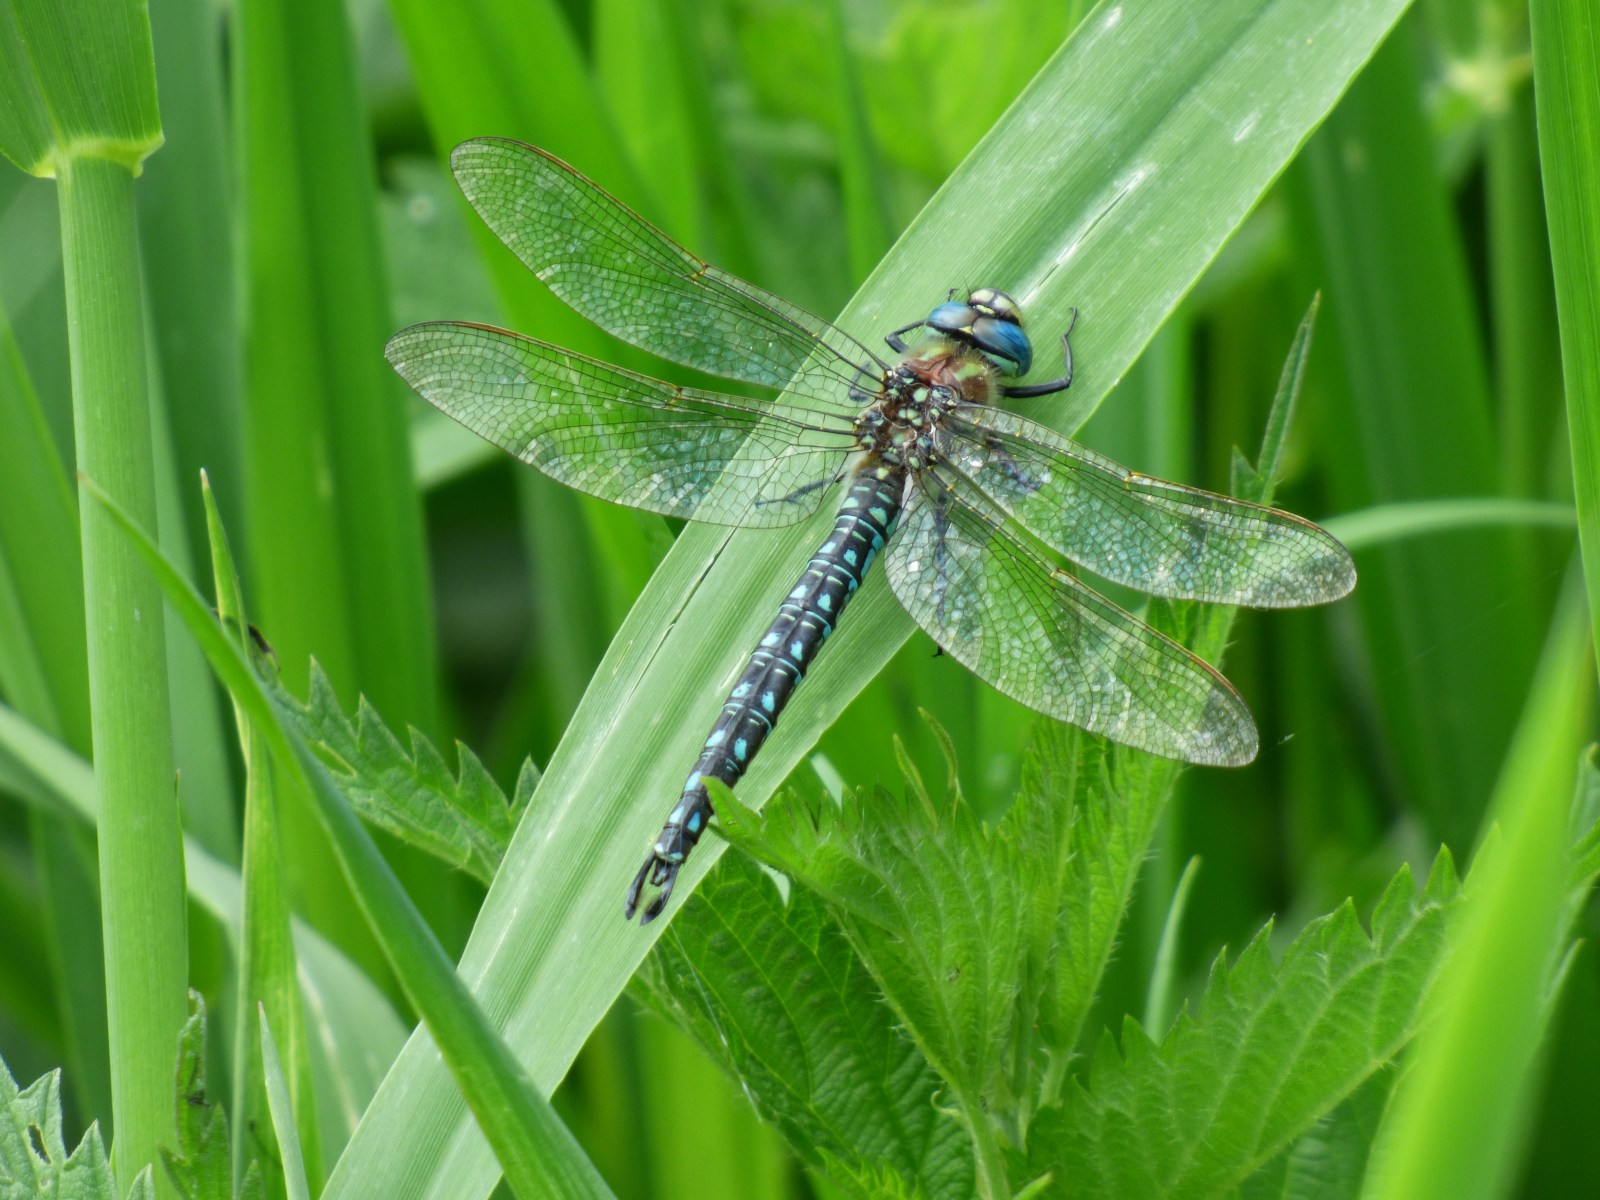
[
  {"x": 624, "y": 437},
  {"x": 609, "y": 264},
  {"x": 1148, "y": 534},
  {"x": 1044, "y": 639}
]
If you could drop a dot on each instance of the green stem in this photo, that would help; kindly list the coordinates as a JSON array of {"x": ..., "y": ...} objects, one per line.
[
  {"x": 1522, "y": 302},
  {"x": 986, "y": 1153},
  {"x": 1566, "y": 73},
  {"x": 141, "y": 863}
]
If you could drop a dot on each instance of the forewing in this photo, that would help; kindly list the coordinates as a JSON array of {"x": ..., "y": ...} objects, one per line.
[
  {"x": 1044, "y": 639},
  {"x": 704, "y": 456},
  {"x": 1148, "y": 534},
  {"x": 619, "y": 271}
]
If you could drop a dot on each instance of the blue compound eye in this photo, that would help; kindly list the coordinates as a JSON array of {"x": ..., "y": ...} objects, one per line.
[
  {"x": 952, "y": 318},
  {"x": 1005, "y": 342}
]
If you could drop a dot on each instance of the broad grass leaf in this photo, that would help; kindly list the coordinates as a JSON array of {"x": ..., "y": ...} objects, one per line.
[
  {"x": 1273, "y": 1049},
  {"x": 775, "y": 995},
  {"x": 1109, "y": 184}
]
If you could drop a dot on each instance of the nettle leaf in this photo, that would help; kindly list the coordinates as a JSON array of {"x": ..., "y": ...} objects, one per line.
[
  {"x": 1274, "y": 1048},
  {"x": 202, "y": 1166},
  {"x": 934, "y": 902},
  {"x": 33, "y": 1159},
  {"x": 463, "y": 819},
  {"x": 775, "y": 994},
  {"x": 1329, "y": 1160},
  {"x": 1118, "y": 796}
]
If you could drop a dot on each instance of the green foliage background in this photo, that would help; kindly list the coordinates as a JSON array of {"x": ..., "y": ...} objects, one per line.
[{"x": 299, "y": 212}]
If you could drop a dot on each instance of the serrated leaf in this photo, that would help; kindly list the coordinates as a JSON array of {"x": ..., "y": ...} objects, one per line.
[
  {"x": 462, "y": 819},
  {"x": 1329, "y": 1160},
  {"x": 1274, "y": 1048},
  {"x": 776, "y": 996},
  {"x": 933, "y": 902},
  {"x": 201, "y": 1168},
  {"x": 34, "y": 1160},
  {"x": 1118, "y": 797}
]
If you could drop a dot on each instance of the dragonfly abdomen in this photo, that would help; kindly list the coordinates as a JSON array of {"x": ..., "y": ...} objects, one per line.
[{"x": 806, "y": 618}]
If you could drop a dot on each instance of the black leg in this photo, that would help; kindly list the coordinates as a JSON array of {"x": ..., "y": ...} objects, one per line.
[
  {"x": 1055, "y": 385},
  {"x": 898, "y": 346}
]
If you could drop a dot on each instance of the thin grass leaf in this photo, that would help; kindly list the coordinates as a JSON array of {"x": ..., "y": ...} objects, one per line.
[
  {"x": 1456, "y": 1125},
  {"x": 357, "y": 1033},
  {"x": 866, "y": 216},
  {"x": 44, "y": 674},
  {"x": 534, "y": 1147},
  {"x": 1161, "y": 999},
  {"x": 94, "y": 76},
  {"x": 1383, "y": 524},
  {"x": 267, "y": 980},
  {"x": 1566, "y": 72},
  {"x": 186, "y": 239},
  {"x": 1057, "y": 182},
  {"x": 1450, "y": 621},
  {"x": 283, "y": 1116},
  {"x": 79, "y": 79}
]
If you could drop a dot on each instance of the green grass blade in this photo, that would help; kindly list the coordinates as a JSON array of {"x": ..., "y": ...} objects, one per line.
[
  {"x": 307, "y": 153},
  {"x": 1383, "y": 524},
  {"x": 79, "y": 80},
  {"x": 1161, "y": 1001},
  {"x": 866, "y": 217},
  {"x": 1566, "y": 71},
  {"x": 1449, "y": 619},
  {"x": 267, "y": 981},
  {"x": 535, "y": 1149},
  {"x": 205, "y": 778},
  {"x": 95, "y": 74},
  {"x": 283, "y": 1115},
  {"x": 349, "y": 1014},
  {"x": 186, "y": 236},
  {"x": 1454, "y": 1129},
  {"x": 637, "y": 69},
  {"x": 1067, "y": 195},
  {"x": 513, "y": 69},
  {"x": 44, "y": 674}
]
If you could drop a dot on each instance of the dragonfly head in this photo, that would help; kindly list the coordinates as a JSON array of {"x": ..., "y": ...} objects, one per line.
[{"x": 991, "y": 321}]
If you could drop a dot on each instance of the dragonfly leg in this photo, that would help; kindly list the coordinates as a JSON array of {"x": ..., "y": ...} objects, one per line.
[
  {"x": 803, "y": 490},
  {"x": 894, "y": 339},
  {"x": 1055, "y": 385}
]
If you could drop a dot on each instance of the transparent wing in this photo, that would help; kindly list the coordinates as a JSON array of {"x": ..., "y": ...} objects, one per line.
[
  {"x": 728, "y": 460},
  {"x": 1159, "y": 537},
  {"x": 1044, "y": 639},
  {"x": 608, "y": 263}
]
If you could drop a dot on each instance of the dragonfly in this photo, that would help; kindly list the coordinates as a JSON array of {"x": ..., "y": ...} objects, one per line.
[{"x": 963, "y": 499}]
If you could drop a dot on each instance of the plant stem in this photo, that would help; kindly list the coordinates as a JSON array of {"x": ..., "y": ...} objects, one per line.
[
  {"x": 141, "y": 863},
  {"x": 1566, "y": 72},
  {"x": 991, "y": 1163}
]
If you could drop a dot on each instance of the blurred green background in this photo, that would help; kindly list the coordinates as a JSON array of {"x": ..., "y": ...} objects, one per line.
[{"x": 300, "y": 213}]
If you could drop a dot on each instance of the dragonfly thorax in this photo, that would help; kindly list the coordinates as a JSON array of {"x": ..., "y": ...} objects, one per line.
[{"x": 918, "y": 394}]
